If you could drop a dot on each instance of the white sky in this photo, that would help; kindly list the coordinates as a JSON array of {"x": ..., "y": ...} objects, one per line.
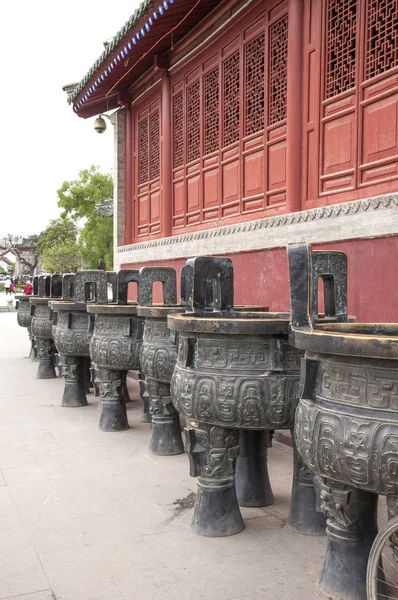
[{"x": 43, "y": 46}]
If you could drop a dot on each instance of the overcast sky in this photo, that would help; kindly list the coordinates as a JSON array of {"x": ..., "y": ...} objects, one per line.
[{"x": 45, "y": 45}]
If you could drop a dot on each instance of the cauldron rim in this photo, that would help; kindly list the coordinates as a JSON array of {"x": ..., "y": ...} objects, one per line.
[
  {"x": 66, "y": 305},
  {"x": 252, "y": 323},
  {"x": 112, "y": 309},
  {"x": 377, "y": 340}
]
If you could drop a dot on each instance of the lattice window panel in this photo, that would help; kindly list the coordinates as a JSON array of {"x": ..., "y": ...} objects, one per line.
[
  {"x": 231, "y": 86},
  {"x": 143, "y": 151},
  {"x": 254, "y": 85},
  {"x": 382, "y": 36},
  {"x": 211, "y": 110},
  {"x": 341, "y": 46},
  {"x": 193, "y": 121},
  {"x": 154, "y": 126},
  {"x": 178, "y": 130},
  {"x": 277, "y": 101}
]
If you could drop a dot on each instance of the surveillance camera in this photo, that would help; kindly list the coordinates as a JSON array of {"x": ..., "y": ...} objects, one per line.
[{"x": 99, "y": 125}]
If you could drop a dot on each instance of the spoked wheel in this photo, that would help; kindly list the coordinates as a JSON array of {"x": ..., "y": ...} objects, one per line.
[{"x": 382, "y": 573}]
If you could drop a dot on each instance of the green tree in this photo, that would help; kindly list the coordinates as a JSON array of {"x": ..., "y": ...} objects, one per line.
[
  {"x": 78, "y": 199},
  {"x": 58, "y": 247}
]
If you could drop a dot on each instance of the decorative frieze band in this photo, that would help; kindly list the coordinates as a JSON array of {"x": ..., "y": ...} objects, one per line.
[{"x": 368, "y": 218}]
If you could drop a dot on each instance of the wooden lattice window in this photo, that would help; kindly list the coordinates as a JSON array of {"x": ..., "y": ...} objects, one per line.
[
  {"x": 254, "y": 85},
  {"x": 143, "y": 151},
  {"x": 231, "y": 85},
  {"x": 341, "y": 46},
  {"x": 178, "y": 130},
  {"x": 211, "y": 110},
  {"x": 154, "y": 126},
  {"x": 382, "y": 37},
  {"x": 193, "y": 121},
  {"x": 278, "y": 71}
]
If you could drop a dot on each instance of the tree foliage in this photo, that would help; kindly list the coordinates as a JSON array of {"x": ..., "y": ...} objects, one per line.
[
  {"x": 78, "y": 199},
  {"x": 29, "y": 259},
  {"x": 58, "y": 247}
]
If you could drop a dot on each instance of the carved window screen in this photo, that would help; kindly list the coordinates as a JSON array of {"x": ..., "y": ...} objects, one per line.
[
  {"x": 382, "y": 36},
  {"x": 178, "y": 129},
  {"x": 211, "y": 110},
  {"x": 231, "y": 87},
  {"x": 341, "y": 46},
  {"x": 193, "y": 121},
  {"x": 254, "y": 85},
  {"x": 154, "y": 127},
  {"x": 143, "y": 151},
  {"x": 278, "y": 71}
]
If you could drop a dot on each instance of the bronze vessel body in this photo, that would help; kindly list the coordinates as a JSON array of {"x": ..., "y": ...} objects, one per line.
[
  {"x": 158, "y": 358},
  {"x": 24, "y": 319},
  {"x": 115, "y": 346},
  {"x": 49, "y": 287},
  {"x": 347, "y": 420},
  {"x": 236, "y": 379},
  {"x": 71, "y": 330}
]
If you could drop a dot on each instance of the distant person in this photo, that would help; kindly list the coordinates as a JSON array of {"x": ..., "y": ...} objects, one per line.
[
  {"x": 12, "y": 287},
  {"x": 28, "y": 288},
  {"x": 7, "y": 285}
]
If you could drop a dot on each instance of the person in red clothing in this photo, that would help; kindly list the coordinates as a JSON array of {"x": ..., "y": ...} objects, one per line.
[{"x": 28, "y": 289}]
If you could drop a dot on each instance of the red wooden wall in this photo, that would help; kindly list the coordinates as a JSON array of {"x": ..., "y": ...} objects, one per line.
[
  {"x": 350, "y": 141},
  {"x": 262, "y": 277},
  {"x": 229, "y": 118},
  {"x": 229, "y": 124}
]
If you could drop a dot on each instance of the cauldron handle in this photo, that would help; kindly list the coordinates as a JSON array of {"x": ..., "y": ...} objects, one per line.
[
  {"x": 35, "y": 285},
  {"x": 124, "y": 277},
  {"x": 111, "y": 280},
  {"x": 68, "y": 286},
  {"x": 209, "y": 278},
  {"x": 305, "y": 268},
  {"x": 95, "y": 277},
  {"x": 183, "y": 285},
  {"x": 44, "y": 286},
  {"x": 56, "y": 285},
  {"x": 166, "y": 276}
]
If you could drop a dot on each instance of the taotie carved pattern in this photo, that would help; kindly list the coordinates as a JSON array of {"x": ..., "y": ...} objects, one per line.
[{"x": 212, "y": 451}]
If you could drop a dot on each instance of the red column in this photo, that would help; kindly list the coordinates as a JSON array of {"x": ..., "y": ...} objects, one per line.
[
  {"x": 128, "y": 177},
  {"x": 294, "y": 100},
  {"x": 166, "y": 156}
]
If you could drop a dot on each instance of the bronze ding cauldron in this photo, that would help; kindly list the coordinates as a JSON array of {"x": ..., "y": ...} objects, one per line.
[
  {"x": 49, "y": 287},
  {"x": 235, "y": 380},
  {"x": 71, "y": 330},
  {"x": 24, "y": 319},
  {"x": 158, "y": 358},
  {"x": 347, "y": 419},
  {"x": 115, "y": 348}
]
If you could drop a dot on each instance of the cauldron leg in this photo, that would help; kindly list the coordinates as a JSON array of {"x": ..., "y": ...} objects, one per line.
[
  {"x": 304, "y": 517},
  {"x": 72, "y": 368},
  {"x": 253, "y": 487},
  {"x": 45, "y": 356},
  {"x": 94, "y": 379},
  {"x": 113, "y": 406},
  {"x": 145, "y": 397},
  {"x": 212, "y": 453},
  {"x": 87, "y": 374},
  {"x": 166, "y": 437},
  {"x": 33, "y": 346},
  {"x": 351, "y": 527}
]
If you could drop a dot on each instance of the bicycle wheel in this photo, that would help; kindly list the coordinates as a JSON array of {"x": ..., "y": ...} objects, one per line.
[{"x": 382, "y": 572}]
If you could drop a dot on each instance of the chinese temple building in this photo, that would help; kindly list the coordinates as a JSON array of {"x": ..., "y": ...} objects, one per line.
[{"x": 242, "y": 125}]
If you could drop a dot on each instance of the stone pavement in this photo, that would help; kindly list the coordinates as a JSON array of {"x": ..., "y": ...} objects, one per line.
[{"x": 88, "y": 515}]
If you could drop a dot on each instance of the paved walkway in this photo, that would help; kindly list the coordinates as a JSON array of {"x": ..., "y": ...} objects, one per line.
[{"x": 87, "y": 515}]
